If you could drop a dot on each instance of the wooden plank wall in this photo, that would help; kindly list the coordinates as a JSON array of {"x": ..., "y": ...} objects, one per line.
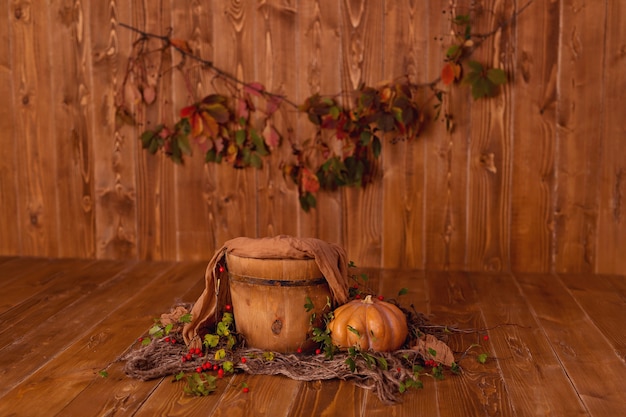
[{"x": 533, "y": 180}]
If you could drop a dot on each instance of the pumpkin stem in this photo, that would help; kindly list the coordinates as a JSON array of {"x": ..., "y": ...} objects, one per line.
[{"x": 368, "y": 300}]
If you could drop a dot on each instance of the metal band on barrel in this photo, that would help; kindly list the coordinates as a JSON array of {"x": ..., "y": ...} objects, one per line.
[{"x": 277, "y": 282}]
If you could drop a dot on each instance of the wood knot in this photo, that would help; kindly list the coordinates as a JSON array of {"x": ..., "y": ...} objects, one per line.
[
  {"x": 18, "y": 13},
  {"x": 277, "y": 326}
]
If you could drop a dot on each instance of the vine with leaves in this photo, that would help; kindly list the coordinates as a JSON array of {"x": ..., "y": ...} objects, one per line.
[{"x": 239, "y": 127}]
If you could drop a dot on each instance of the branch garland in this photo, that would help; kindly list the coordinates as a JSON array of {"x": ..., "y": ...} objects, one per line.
[{"x": 239, "y": 127}]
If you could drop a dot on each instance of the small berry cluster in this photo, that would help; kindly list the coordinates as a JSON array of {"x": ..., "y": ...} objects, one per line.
[
  {"x": 431, "y": 362},
  {"x": 192, "y": 352}
]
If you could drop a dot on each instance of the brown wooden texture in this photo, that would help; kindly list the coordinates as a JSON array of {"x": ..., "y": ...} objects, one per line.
[
  {"x": 553, "y": 349},
  {"x": 446, "y": 157},
  {"x": 579, "y": 136},
  {"x": 318, "y": 72},
  {"x": 532, "y": 180},
  {"x": 9, "y": 226},
  {"x": 611, "y": 233},
  {"x": 534, "y": 130},
  {"x": 490, "y": 153}
]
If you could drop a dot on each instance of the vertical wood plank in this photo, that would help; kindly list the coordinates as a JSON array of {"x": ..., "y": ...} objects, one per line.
[
  {"x": 579, "y": 140},
  {"x": 490, "y": 151},
  {"x": 276, "y": 68},
  {"x": 195, "y": 219},
  {"x": 10, "y": 215},
  {"x": 71, "y": 97},
  {"x": 533, "y": 133},
  {"x": 319, "y": 32},
  {"x": 236, "y": 194},
  {"x": 403, "y": 163},
  {"x": 154, "y": 175},
  {"x": 611, "y": 235},
  {"x": 114, "y": 143},
  {"x": 446, "y": 157},
  {"x": 36, "y": 154},
  {"x": 363, "y": 58}
]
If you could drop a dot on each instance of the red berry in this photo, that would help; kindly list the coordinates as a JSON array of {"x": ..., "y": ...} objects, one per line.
[
  {"x": 358, "y": 296},
  {"x": 173, "y": 341},
  {"x": 215, "y": 367},
  {"x": 381, "y": 298},
  {"x": 221, "y": 268},
  {"x": 220, "y": 373},
  {"x": 167, "y": 339},
  {"x": 228, "y": 307},
  {"x": 486, "y": 337},
  {"x": 188, "y": 356},
  {"x": 299, "y": 350},
  {"x": 140, "y": 339},
  {"x": 199, "y": 369},
  {"x": 318, "y": 351},
  {"x": 246, "y": 390},
  {"x": 244, "y": 360},
  {"x": 184, "y": 359}
]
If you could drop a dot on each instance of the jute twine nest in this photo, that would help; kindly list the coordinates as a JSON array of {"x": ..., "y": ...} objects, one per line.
[{"x": 162, "y": 358}]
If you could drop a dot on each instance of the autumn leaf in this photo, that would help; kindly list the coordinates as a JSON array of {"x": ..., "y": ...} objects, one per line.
[
  {"x": 272, "y": 139},
  {"x": 425, "y": 346},
  {"x": 255, "y": 89},
  {"x": 273, "y": 103},
  {"x": 181, "y": 44},
  {"x": 186, "y": 112},
  {"x": 450, "y": 72},
  {"x": 309, "y": 181}
]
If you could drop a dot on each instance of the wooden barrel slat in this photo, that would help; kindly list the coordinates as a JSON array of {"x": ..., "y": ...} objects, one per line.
[{"x": 269, "y": 297}]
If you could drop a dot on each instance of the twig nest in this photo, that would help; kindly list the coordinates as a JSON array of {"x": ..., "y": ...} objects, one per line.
[{"x": 369, "y": 324}]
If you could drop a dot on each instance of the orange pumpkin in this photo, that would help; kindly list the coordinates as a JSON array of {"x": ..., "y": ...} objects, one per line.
[{"x": 369, "y": 324}]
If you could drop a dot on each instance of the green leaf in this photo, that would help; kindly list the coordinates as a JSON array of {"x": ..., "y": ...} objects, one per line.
[
  {"x": 382, "y": 363},
  {"x": 355, "y": 331},
  {"x": 351, "y": 364},
  {"x": 268, "y": 356},
  {"x": 240, "y": 137},
  {"x": 255, "y": 160},
  {"x": 183, "y": 143},
  {"x": 220, "y": 354},
  {"x": 103, "y": 374},
  {"x": 496, "y": 76},
  {"x": 211, "y": 340},
  {"x": 452, "y": 51},
  {"x": 403, "y": 291},
  {"x": 432, "y": 352},
  {"x": 168, "y": 328},
  {"x": 475, "y": 66},
  {"x": 179, "y": 376},
  {"x": 308, "y": 304},
  {"x": 185, "y": 318},
  {"x": 377, "y": 147},
  {"x": 482, "y": 358},
  {"x": 228, "y": 366}
]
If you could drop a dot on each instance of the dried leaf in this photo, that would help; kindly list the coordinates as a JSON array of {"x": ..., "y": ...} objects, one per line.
[
  {"x": 149, "y": 95},
  {"x": 424, "y": 346},
  {"x": 272, "y": 139},
  {"x": 181, "y": 44}
]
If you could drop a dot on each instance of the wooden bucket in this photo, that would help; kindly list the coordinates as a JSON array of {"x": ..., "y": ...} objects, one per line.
[{"x": 268, "y": 298}]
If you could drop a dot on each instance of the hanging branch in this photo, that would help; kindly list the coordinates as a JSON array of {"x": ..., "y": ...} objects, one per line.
[{"x": 239, "y": 128}]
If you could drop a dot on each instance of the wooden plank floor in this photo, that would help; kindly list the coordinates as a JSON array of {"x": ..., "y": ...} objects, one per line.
[{"x": 556, "y": 345}]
